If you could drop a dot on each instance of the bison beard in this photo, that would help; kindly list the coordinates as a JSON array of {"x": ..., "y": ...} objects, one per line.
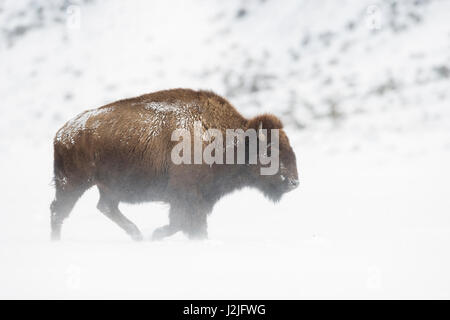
[{"x": 124, "y": 149}]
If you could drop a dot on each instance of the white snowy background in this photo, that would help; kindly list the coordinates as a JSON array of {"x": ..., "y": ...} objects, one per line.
[{"x": 363, "y": 88}]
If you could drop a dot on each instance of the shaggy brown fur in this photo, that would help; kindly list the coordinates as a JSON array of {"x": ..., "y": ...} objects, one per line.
[{"x": 124, "y": 148}]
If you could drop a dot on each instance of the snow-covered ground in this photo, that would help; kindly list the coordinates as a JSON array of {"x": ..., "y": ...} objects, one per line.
[{"x": 362, "y": 87}]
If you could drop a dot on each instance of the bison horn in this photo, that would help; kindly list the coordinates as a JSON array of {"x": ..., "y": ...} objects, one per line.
[{"x": 261, "y": 135}]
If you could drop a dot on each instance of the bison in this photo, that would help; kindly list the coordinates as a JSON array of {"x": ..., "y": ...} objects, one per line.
[{"x": 124, "y": 148}]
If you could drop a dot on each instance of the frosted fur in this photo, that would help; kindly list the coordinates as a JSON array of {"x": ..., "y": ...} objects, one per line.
[
  {"x": 161, "y": 107},
  {"x": 78, "y": 124},
  {"x": 179, "y": 110}
]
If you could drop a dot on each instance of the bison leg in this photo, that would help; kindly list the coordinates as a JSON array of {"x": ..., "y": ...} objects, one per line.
[
  {"x": 191, "y": 217},
  {"x": 164, "y": 231},
  {"x": 187, "y": 218},
  {"x": 110, "y": 208},
  {"x": 60, "y": 209},
  {"x": 196, "y": 226},
  {"x": 175, "y": 224},
  {"x": 196, "y": 218}
]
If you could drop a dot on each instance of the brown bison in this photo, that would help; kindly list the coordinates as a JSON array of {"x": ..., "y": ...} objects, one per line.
[{"x": 124, "y": 148}]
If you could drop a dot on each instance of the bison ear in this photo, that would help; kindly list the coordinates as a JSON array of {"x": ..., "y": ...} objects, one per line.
[{"x": 265, "y": 121}]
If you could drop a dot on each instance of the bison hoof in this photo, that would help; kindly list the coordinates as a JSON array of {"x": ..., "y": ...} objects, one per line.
[
  {"x": 197, "y": 235},
  {"x": 158, "y": 234},
  {"x": 164, "y": 232},
  {"x": 55, "y": 236},
  {"x": 137, "y": 237}
]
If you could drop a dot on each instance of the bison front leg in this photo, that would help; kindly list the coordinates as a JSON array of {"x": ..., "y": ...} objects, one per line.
[
  {"x": 163, "y": 232},
  {"x": 197, "y": 226},
  {"x": 176, "y": 221},
  {"x": 192, "y": 220}
]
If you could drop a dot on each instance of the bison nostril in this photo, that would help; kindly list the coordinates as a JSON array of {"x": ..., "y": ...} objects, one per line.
[{"x": 293, "y": 183}]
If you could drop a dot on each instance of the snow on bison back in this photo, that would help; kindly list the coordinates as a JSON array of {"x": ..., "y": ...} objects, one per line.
[{"x": 124, "y": 148}]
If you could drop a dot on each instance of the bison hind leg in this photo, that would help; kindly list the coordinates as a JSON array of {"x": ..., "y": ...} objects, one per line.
[
  {"x": 60, "y": 208},
  {"x": 110, "y": 208}
]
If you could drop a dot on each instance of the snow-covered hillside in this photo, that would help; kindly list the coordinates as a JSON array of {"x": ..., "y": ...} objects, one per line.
[{"x": 362, "y": 87}]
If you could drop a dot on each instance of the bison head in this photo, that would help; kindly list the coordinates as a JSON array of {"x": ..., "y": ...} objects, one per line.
[{"x": 285, "y": 179}]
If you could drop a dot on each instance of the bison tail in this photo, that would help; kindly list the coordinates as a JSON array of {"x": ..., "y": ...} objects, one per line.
[{"x": 59, "y": 174}]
